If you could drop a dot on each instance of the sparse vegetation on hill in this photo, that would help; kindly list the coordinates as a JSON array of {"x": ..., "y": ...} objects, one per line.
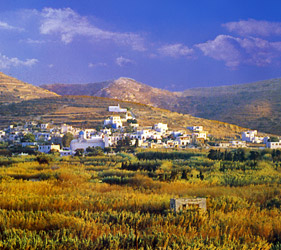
[
  {"x": 255, "y": 105},
  {"x": 85, "y": 111},
  {"x": 13, "y": 90}
]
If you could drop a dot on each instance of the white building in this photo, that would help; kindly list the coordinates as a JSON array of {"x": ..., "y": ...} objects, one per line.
[
  {"x": 44, "y": 126},
  {"x": 95, "y": 141},
  {"x": 115, "y": 121},
  {"x": 196, "y": 128},
  {"x": 47, "y": 148},
  {"x": 144, "y": 134},
  {"x": 31, "y": 124},
  {"x": 249, "y": 136},
  {"x": 2, "y": 135},
  {"x": 66, "y": 128},
  {"x": 183, "y": 140},
  {"x": 116, "y": 109},
  {"x": 161, "y": 127},
  {"x": 42, "y": 136},
  {"x": 199, "y": 134},
  {"x": 65, "y": 152},
  {"x": 238, "y": 144},
  {"x": 273, "y": 145}
]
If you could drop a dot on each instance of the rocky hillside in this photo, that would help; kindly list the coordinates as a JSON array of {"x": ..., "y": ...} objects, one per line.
[
  {"x": 254, "y": 105},
  {"x": 89, "y": 89},
  {"x": 14, "y": 90},
  {"x": 89, "y": 112},
  {"x": 125, "y": 89}
]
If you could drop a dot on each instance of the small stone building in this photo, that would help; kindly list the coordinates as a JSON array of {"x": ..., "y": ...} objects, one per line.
[{"x": 181, "y": 204}]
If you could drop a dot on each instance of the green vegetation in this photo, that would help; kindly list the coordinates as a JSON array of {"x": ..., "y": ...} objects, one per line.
[
  {"x": 122, "y": 201},
  {"x": 66, "y": 139},
  {"x": 28, "y": 138}
]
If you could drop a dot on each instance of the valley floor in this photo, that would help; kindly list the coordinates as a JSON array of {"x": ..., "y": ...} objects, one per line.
[{"x": 123, "y": 202}]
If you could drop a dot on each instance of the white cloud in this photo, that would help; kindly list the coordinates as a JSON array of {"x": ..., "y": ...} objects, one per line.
[
  {"x": 175, "y": 50},
  {"x": 68, "y": 24},
  {"x": 93, "y": 65},
  {"x": 32, "y": 41},
  {"x": 50, "y": 66},
  {"x": 235, "y": 51},
  {"x": 254, "y": 27},
  {"x": 6, "y": 26},
  {"x": 122, "y": 61},
  {"x": 6, "y": 62}
]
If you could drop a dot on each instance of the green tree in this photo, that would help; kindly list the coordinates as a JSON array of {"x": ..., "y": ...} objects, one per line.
[
  {"x": 28, "y": 138},
  {"x": 94, "y": 151},
  {"x": 66, "y": 139},
  {"x": 79, "y": 152},
  {"x": 274, "y": 139}
]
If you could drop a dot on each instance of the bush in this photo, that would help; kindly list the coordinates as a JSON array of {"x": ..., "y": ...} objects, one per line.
[{"x": 43, "y": 159}]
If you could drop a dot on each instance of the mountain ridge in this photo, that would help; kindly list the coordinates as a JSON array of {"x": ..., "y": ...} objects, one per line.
[{"x": 255, "y": 105}]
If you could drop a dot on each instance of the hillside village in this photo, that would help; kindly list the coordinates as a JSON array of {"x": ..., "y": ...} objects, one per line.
[{"x": 46, "y": 137}]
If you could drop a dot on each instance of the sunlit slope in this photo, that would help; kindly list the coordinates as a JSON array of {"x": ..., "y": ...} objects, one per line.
[
  {"x": 85, "y": 111},
  {"x": 14, "y": 90}
]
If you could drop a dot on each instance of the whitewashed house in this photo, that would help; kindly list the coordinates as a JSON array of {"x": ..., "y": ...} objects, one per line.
[
  {"x": 117, "y": 109},
  {"x": 249, "y": 136},
  {"x": 184, "y": 140},
  {"x": 42, "y": 136},
  {"x": 115, "y": 121},
  {"x": 199, "y": 134},
  {"x": 161, "y": 127},
  {"x": 47, "y": 148},
  {"x": 272, "y": 145}
]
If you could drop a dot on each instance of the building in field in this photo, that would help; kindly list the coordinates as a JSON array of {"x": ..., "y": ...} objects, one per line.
[{"x": 182, "y": 204}]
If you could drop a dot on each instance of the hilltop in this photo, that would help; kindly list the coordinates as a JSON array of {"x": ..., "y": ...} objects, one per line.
[
  {"x": 14, "y": 90},
  {"x": 125, "y": 89},
  {"x": 87, "y": 112},
  {"x": 255, "y": 105}
]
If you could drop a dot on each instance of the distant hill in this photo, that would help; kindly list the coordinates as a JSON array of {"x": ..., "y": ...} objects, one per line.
[
  {"x": 254, "y": 105},
  {"x": 14, "y": 90},
  {"x": 90, "y": 89},
  {"x": 125, "y": 89},
  {"x": 87, "y": 112}
]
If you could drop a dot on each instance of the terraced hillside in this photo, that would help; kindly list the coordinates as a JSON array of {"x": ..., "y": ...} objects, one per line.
[
  {"x": 255, "y": 105},
  {"x": 85, "y": 111},
  {"x": 14, "y": 90}
]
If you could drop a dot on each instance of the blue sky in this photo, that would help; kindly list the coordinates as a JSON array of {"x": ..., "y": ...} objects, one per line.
[{"x": 168, "y": 44}]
